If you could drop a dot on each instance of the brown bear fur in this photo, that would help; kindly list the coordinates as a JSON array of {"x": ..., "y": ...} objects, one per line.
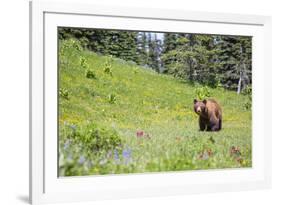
[{"x": 210, "y": 114}]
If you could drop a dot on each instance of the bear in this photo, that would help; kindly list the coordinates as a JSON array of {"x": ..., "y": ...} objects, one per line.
[{"x": 210, "y": 114}]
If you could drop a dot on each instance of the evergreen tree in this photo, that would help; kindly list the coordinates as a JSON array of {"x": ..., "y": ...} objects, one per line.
[
  {"x": 154, "y": 52},
  {"x": 236, "y": 59},
  {"x": 121, "y": 44},
  {"x": 170, "y": 43},
  {"x": 194, "y": 59},
  {"x": 142, "y": 50}
]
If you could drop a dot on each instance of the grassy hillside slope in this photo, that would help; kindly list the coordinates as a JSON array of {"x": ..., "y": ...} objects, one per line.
[{"x": 126, "y": 119}]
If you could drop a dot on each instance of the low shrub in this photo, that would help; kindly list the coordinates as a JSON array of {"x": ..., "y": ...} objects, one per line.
[
  {"x": 112, "y": 98},
  {"x": 248, "y": 92},
  {"x": 202, "y": 92},
  {"x": 81, "y": 146},
  {"x": 107, "y": 67},
  {"x": 64, "y": 93},
  {"x": 90, "y": 74}
]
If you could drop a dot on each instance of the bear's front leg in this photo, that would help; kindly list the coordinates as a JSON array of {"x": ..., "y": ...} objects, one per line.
[{"x": 202, "y": 124}]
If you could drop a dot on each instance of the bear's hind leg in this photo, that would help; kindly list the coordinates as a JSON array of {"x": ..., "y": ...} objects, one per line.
[
  {"x": 214, "y": 124},
  {"x": 215, "y": 127}
]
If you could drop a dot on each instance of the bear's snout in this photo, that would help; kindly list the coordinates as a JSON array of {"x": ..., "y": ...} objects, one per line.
[{"x": 198, "y": 110}]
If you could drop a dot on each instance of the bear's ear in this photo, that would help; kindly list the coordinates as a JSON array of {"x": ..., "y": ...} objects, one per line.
[
  {"x": 204, "y": 101},
  {"x": 194, "y": 101}
]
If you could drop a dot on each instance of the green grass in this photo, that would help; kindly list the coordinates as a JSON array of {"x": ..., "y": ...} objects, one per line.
[{"x": 130, "y": 99}]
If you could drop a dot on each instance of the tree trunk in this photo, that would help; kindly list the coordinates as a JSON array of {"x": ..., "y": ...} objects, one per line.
[
  {"x": 241, "y": 72},
  {"x": 239, "y": 83},
  {"x": 244, "y": 77},
  {"x": 191, "y": 70},
  {"x": 191, "y": 61}
]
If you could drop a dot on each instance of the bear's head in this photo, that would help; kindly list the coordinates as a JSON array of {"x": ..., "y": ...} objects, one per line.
[{"x": 199, "y": 106}]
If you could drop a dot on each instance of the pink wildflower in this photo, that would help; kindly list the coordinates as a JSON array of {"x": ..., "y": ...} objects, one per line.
[{"x": 140, "y": 133}]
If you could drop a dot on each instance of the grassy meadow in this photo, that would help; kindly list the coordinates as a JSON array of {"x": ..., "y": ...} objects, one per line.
[{"x": 116, "y": 117}]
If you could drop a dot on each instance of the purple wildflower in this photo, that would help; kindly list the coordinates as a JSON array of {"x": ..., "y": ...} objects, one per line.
[
  {"x": 116, "y": 157},
  {"x": 81, "y": 160},
  {"x": 66, "y": 145},
  {"x": 127, "y": 155}
]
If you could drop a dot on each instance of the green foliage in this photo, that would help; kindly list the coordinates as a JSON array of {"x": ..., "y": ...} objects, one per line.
[
  {"x": 209, "y": 59},
  {"x": 153, "y": 117},
  {"x": 112, "y": 98},
  {"x": 71, "y": 44},
  {"x": 170, "y": 42},
  {"x": 107, "y": 67},
  {"x": 248, "y": 92},
  {"x": 202, "y": 92},
  {"x": 121, "y": 44},
  {"x": 154, "y": 48},
  {"x": 90, "y": 73},
  {"x": 69, "y": 50},
  {"x": 83, "y": 63},
  {"x": 80, "y": 146},
  {"x": 64, "y": 93},
  {"x": 142, "y": 45},
  {"x": 236, "y": 60}
]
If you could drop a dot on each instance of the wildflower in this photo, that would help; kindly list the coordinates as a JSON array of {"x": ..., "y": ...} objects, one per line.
[
  {"x": 116, "y": 157},
  {"x": 103, "y": 161},
  {"x": 206, "y": 154},
  {"x": 140, "y": 133},
  {"x": 73, "y": 127},
  {"x": 109, "y": 154},
  {"x": 235, "y": 151},
  {"x": 127, "y": 155},
  {"x": 66, "y": 144},
  {"x": 178, "y": 139},
  {"x": 81, "y": 160},
  {"x": 210, "y": 152},
  {"x": 69, "y": 158}
]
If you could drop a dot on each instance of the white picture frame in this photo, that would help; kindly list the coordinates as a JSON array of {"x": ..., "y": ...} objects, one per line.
[{"x": 46, "y": 187}]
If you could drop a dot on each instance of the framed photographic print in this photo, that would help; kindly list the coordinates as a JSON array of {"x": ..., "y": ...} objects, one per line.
[{"x": 130, "y": 102}]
